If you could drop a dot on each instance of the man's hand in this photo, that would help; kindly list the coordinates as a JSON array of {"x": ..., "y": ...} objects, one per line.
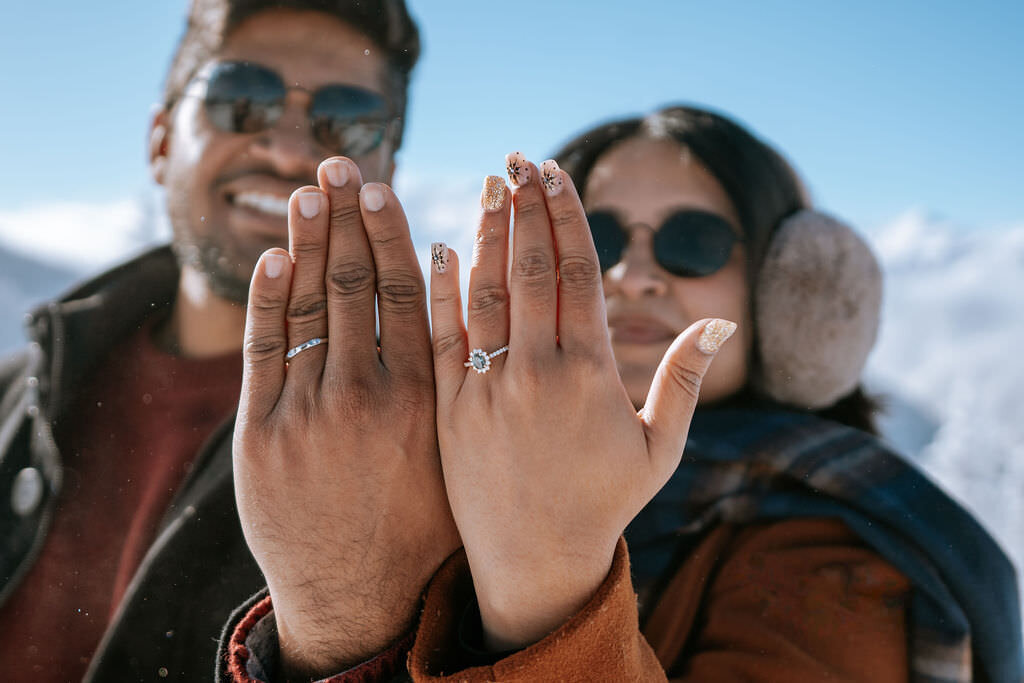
[
  {"x": 336, "y": 466},
  {"x": 545, "y": 459}
]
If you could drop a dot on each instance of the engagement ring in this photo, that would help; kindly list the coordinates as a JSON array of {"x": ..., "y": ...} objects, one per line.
[{"x": 480, "y": 360}]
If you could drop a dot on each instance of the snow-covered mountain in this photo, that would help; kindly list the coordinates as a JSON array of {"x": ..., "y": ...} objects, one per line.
[{"x": 949, "y": 360}]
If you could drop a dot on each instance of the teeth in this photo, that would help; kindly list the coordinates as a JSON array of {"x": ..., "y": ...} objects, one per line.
[{"x": 267, "y": 203}]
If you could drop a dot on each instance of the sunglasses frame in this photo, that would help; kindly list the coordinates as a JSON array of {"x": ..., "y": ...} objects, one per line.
[
  {"x": 626, "y": 231},
  {"x": 387, "y": 120}
]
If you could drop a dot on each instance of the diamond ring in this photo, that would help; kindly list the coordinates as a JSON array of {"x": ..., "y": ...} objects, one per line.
[
  {"x": 315, "y": 341},
  {"x": 480, "y": 360}
]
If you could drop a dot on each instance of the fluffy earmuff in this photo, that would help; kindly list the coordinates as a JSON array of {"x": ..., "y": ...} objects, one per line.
[{"x": 817, "y": 306}]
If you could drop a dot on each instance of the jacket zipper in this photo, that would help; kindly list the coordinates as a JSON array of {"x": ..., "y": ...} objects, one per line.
[{"x": 41, "y": 423}]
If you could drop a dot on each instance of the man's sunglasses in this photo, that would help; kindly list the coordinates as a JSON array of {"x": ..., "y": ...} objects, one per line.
[
  {"x": 242, "y": 97},
  {"x": 687, "y": 244}
]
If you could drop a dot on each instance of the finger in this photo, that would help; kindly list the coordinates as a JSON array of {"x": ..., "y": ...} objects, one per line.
[
  {"x": 307, "y": 305},
  {"x": 448, "y": 332},
  {"x": 265, "y": 344},
  {"x": 350, "y": 279},
  {"x": 676, "y": 389},
  {"x": 488, "y": 278},
  {"x": 401, "y": 292},
  {"x": 582, "y": 321},
  {"x": 532, "y": 281}
]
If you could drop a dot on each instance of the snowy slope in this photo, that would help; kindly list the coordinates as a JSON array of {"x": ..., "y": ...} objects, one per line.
[{"x": 950, "y": 356}]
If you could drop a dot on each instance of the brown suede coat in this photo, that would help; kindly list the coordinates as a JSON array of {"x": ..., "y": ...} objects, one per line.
[{"x": 796, "y": 600}]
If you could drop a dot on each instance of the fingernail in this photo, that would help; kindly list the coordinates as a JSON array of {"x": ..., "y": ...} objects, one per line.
[
  {"x": 550, "y": 177},
  {"x": 373, "y": 197},
  {"x": 439, "y": 256},
  {"x": 518, "y": 171},
  {"x": 714, "y": 335},
  {"x": 309, "y": 204},
  {"x": 493, "y": 196},
  {"x": 337, "y": 172},
  {"x": 273, "y": 265}
]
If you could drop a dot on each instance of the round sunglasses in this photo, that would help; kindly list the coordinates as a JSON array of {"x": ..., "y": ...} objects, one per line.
[
  {"x": 688, "y": 243},
  {"x": 243, "y": 97}
]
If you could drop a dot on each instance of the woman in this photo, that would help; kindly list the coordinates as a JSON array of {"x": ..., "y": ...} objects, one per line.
[{"x": 784, "y": 542}]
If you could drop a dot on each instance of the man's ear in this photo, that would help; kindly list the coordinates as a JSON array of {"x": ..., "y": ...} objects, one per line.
[{"x": 159, "y": 143}]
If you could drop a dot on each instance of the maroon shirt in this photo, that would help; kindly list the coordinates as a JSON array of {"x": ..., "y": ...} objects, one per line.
[{"x": 132, "y": 434}]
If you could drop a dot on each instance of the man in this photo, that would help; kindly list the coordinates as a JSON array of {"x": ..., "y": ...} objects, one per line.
[{"x": 122, "y": 552}]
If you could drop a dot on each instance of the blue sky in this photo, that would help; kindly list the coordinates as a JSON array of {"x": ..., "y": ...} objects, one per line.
[{"x": 882, "y": 106}]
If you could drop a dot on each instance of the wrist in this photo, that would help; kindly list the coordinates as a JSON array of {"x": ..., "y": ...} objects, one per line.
[
  {"x": 521, "y": 607},
  {"x": 324, "y": 638}
]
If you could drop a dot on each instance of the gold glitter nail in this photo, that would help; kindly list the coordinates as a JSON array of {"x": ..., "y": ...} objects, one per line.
[
  {"x": 439, "y": 256},
  {"x": 493, "y": 196},
  {"x": 714, "y": 335},
  {"x": 550, "y": 177},
  {"x": 518, "y": 171}
]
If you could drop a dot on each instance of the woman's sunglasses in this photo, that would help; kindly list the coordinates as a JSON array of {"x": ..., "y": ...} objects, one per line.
[
  {"x": 687, "y": 244},
  {"x": 242, "y": 97}
]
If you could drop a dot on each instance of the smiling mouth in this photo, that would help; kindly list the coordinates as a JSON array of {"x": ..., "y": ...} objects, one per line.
[{"x": 270, "y": 204}]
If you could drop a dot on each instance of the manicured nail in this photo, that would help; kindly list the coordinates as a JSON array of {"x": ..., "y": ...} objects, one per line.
[
  {"x": 273, "y": 265},
  {"x": 493, "y": 196},
  {"x": 373, "y": 197},
  {"x": 309, "y": 204},
  {"x": 337, "y": 172},
  {"x": 439, "y": 256},
  {"x": 518, "y": 171},
  {"x": 550, "y": 177},
  {"x": 714, "y": 335}
]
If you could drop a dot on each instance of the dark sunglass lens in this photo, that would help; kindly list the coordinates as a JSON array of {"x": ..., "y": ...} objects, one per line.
[
  {"x": 348, "y": 120},
  {"x": 693, "y": 243},
  {"x": 243, "y": 97},
  {"x": 609, "y": 238}
]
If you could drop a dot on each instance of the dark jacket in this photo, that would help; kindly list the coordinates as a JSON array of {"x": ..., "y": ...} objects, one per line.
[{"x": 199, "y": 568}]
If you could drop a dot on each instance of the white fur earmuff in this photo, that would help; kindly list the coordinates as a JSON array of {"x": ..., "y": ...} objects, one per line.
[{"x": 817, "y": 305}]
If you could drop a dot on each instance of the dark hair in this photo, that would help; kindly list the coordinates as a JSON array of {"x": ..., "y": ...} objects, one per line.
[
  {"x": 761, "y": 184},
  {"x": 386, "y": 22}
]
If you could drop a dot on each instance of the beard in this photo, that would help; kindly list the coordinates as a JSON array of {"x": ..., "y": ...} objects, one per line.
[{"x": 227, "y": 272}]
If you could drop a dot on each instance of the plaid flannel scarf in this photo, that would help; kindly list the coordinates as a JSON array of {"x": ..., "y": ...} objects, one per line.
[{"x": 748, "y": 465}]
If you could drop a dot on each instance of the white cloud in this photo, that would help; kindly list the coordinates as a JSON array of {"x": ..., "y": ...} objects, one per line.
[{"x": 82, "y": 235}]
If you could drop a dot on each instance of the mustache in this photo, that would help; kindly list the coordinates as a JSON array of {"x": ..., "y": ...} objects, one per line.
[{"x": 269, "y": 174}]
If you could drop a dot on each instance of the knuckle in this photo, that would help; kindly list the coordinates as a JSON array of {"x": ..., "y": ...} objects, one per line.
[
  {"x": 345, "y": 212},
  {"x": 381, "y": 241},
  {"x": 307, "y": 307},
  {"x": 349, "y": 279},
  {"x": 489, "y": 237},
  {"x": 531, "y": 211},
  {"x": 487, "y": 298},
  {"x": 401, "y": 294},
  {"x": 445, "y": 344},
  {"x": 262, "y": 306},
  {"x": 686, "y": 379},
  {"x": 564, "y": 218},
  {"x": 263, "y": 348},
  {"x": 579, "y": 273},
  {"x": 534, "y": 264},
  {"x": 308, "y": 248}
]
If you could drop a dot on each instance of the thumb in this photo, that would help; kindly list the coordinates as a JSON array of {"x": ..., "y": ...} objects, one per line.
[{"x": 676, "y": 388}]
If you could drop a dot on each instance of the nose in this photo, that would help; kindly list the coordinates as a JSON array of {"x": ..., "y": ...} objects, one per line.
[
  {"x": 289, "y": 145},
  {"x": 637, "y": 275}
]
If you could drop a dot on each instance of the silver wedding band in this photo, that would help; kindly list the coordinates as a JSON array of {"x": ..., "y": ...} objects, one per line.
[
  {"x": 315, "y": 341},
  {"x": 480, "y": 360}
]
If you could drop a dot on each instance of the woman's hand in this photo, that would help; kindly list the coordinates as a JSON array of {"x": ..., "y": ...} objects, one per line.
[
  {"x": 545, "y": 459},
  {"x": 336, "y": 466}
]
